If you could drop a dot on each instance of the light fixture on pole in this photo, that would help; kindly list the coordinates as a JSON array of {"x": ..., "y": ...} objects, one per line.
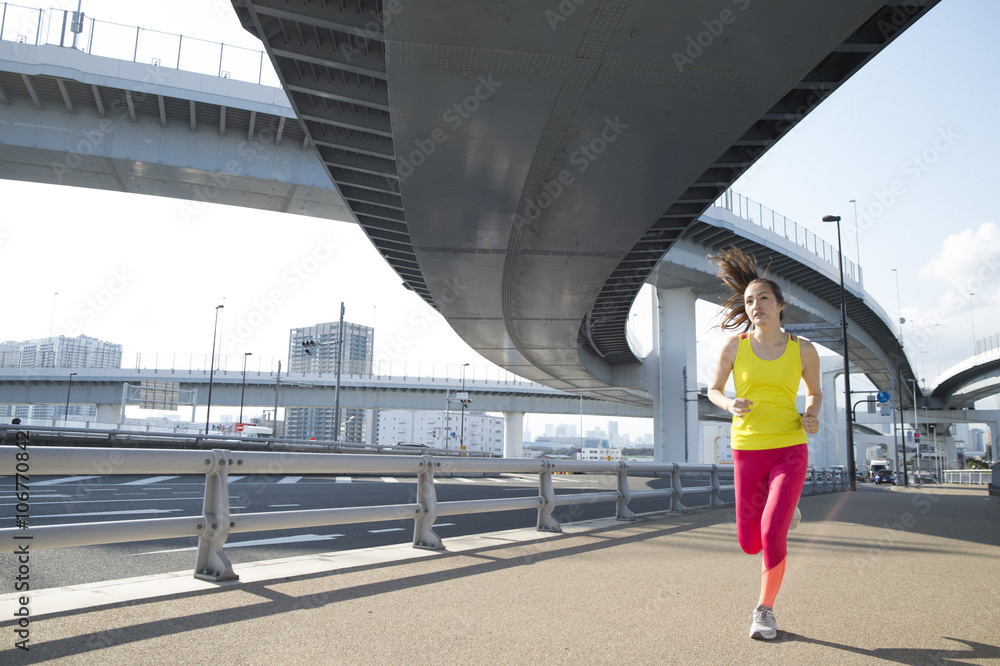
[
  {"x": 857, "y": 237},
  {"x": 464, "y": 398},
  {"x": 243, "y": 390},
  {"x": 916, "y": 435},
  {"x": 68, "y": 387},
  {"x": 847, "y": 362},
  {"x": 211, "y": 372},
  {"x": 336, "y": 390},
  {"x": 972, "y": 318}
]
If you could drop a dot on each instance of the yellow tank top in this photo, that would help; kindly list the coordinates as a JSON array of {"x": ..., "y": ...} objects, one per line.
[{"x": 774, "y": 421}]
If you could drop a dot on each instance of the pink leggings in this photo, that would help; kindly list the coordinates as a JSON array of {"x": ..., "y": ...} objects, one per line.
[{"x": 768, "y": 485}]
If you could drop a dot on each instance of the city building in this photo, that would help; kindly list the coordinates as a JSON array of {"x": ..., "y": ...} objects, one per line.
[
  {"x": 58, "y": 352},
  {"x": 313, "y": 349},
  {"x": 440, "y": 429},
  {"x": 61, "y": 352}
]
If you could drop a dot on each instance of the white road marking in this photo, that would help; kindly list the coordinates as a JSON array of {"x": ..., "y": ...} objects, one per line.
[
  {"x": 462, "y": 479},
  {"x": 443, "y": 525},
  {"x": 236, "y": 478},
  {"x": 290, "y": 479},
  {"x": 390, "y": 479},
  {"x": 68, "y": 479},
  {"x": 344, "y": 479},
  {"x": 391, "y": 529},
  {"x": 146, "y": 482},
  {"x": 300, "y": 538}
]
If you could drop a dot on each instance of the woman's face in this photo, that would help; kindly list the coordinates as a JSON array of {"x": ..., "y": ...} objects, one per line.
[{"x": 761, "y": 304}]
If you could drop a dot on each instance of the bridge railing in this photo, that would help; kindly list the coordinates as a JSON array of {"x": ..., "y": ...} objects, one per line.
[
  {"x": 751, "y": 211},
  {"x": 258, "y": 366},
  {"x": 987, "y": 345},
  {"x": 968, "y": 476},
  {"x": 147, "y": 437},
  {"x": 216, "y": 523},
  {"x": 38, "y": 27}
]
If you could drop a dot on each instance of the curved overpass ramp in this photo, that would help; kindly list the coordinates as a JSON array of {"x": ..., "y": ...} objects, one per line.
[{"x": 525, "y": 166}]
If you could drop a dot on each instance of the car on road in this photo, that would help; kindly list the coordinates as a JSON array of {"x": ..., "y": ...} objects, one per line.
[{"x": 883, "y": 476}]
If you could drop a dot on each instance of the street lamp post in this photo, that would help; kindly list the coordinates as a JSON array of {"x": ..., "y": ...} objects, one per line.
[
  {"x": 68, "y": 387},
  {"x": 211, "y": 371},
  {"x": 243, "y": 390},
  {"x": 916, "y": 438},
  {"x": 465, "y": 399},
  {"x": 972, "y": 318},
  {"x": 847, "y": 362}
]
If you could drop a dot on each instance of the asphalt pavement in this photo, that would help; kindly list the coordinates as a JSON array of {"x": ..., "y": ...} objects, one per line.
[{"x": 880, "y": 575}]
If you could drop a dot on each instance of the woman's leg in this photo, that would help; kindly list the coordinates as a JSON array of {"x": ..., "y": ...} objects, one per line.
[
  {"x": 752, "y": 475},
  {"x": 786, "y": 478}
]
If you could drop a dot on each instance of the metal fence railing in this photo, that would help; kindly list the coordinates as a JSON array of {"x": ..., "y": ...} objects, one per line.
[
  {"x": 761, "y": 215},
  {"x": 968, "y": 476},
  {"x": 59, "y": 27},
  {"x": 989, "y": 344},
  {"x": 22, "y": 460}
]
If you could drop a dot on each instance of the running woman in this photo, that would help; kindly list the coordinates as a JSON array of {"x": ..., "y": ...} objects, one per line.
[{"x": 768, "y": 434}]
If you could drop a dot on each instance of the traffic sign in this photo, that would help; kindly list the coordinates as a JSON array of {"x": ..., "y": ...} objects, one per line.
[{"x": 883, "y": 396}]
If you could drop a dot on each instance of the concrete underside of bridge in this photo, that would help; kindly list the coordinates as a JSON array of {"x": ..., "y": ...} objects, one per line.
[{"x": 524, "y": 167}]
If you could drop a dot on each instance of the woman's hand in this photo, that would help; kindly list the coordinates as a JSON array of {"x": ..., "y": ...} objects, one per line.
[
  {"x": 740, "y": 406},
  {"x": 810, "y": 423}
]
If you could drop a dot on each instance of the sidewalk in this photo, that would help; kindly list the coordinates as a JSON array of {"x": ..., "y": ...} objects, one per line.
[{"x": 881, "y": 575}]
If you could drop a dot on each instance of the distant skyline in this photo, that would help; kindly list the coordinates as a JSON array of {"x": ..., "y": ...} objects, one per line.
[{"x": 911, "y": 139}]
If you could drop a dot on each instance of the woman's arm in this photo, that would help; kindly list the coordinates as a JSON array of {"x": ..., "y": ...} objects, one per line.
[
  {"x": 720, "y": 375},
  {"x": 814, "y": 389}
]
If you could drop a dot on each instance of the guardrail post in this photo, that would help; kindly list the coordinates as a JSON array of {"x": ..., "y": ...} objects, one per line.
[
  {"x": 716, "y": 488},
  {"x": 212, "y": 564},
  {"x": 675, "y": 484},
  {"x": 547, "y": 493},
  {"x": 624, "y": 494},
  {"x": 423, "y": 532}
]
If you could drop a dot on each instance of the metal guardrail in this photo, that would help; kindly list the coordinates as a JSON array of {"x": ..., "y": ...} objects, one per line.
[
  {"x": 751, "y": 211},
  {"x": 968, "y": 476},
  {"x": 58, "y": 27},
  {"x": 216, "y": 523},
  {"x": 114, "y": 437},
  {"x": 995, "y": 484}
]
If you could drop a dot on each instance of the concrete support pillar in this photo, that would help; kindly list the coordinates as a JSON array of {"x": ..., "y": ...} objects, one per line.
[
  {"x": 674, "y": 380},
  {"x": 108, "y": 415},
  {"x": 829, "y": 446},
  {"x": 513, "y": 434}
]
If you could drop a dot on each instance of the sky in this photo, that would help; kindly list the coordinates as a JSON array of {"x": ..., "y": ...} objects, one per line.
[{"x": 911, "y": 138}]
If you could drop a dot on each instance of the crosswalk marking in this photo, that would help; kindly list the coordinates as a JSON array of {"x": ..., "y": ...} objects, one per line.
[
  {"x": 390, "y": 479},
  {"x": 290, "y": 479},
  {"x": 147, "y": 481},
  {"x": 463, "y": 479}
]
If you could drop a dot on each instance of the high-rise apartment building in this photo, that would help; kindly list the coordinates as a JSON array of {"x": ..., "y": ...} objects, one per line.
[
  {"x": 313, "y": 349},
  {"x": 61, "y": 352},
  {"x": 58, "y": 352}
]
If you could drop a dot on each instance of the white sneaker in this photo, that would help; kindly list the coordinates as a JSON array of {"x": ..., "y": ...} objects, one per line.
[
  {"x": 796, "y": 518},
  {"x": 764, "y": 626}
]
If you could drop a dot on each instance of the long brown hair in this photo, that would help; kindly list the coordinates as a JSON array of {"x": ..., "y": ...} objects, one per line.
[{"x": 738, "y": 271}]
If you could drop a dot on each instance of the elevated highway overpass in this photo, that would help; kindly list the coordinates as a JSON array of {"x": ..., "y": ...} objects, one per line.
[{"x": 524, "y": 261}]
